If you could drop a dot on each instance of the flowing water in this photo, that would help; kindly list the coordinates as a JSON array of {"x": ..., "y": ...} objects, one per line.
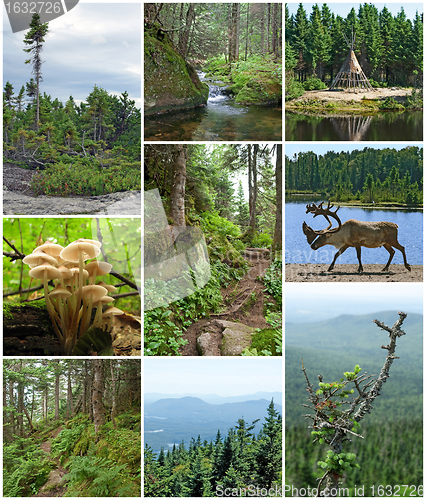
[
  {"x": 221, "y": 120},
  {"x": 297, "y": 250},
  {"x": 386, "y": 126}
]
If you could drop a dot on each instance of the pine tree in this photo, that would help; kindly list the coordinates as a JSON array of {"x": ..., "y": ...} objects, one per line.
[{"x": 35, "y": 39}]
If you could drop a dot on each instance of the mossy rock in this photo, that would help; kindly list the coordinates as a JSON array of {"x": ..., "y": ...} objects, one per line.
[
  {"x": 171, "y": 84},
  {"x": 259, "y": 92}
]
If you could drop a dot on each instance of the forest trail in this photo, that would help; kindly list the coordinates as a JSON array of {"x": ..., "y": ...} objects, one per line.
[
  {"x": 54, "y": 485},
  {"x": 243, "y": 302}
]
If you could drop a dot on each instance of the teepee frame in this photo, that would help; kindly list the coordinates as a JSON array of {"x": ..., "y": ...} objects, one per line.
[{"x": 351, "y": 75}]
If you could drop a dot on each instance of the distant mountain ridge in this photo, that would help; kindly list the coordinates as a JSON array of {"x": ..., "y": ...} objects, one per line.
[
  {"x": 173, "y": 420},
  {"x": 151, "y": 397}
]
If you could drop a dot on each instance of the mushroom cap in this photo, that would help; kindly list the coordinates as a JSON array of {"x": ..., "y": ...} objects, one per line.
[
  {"x": 45, "y": 271},
  {"x": 66, "y": 272},
  {"x": 110, "y": 288},
  {"x": 50, "y": 248},
  {"x": 104, "y": 300},
  {"x": 76, "y": 270},
  {"x": 94, "y": 292},
  {"x": 112, "y": 311},
  {"x": 86, "y": 240},
  {"x": 38, "y": 258},
  {"x": 60, "y": 291},
  {"x": 73, "y": 250},
  {"x": 100, "y": 266}
]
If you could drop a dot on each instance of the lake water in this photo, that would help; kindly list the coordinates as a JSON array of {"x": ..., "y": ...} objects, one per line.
[
  {"x": 387, "y": 126},
  {"x": 298, "y": 251},
  {"x": 221, "y": 120}
]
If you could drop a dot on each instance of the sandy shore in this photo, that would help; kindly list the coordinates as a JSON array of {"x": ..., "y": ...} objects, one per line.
[{"x": 348, "y": 272}]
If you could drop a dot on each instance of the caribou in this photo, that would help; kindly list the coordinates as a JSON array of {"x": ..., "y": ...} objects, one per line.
[{"x": 353, "y": 233}]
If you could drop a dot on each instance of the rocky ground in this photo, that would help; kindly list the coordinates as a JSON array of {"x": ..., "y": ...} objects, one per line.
[
  {"x": 19, "y": 199},
  {"x": 301, "y": 273},
  {"x": 398, "y": 94}
]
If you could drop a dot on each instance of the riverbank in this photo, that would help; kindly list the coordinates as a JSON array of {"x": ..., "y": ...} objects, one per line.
[
  {"x": 345, "y": 101},
  {"x": 302, "y": 273},
  {"x": 388, "y": 205}
]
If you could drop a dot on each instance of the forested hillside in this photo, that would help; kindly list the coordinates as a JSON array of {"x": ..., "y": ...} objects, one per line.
[
  {"x": 202, "y": 192},
  {"x": 241, "y": 459},
  {"x": 71, "y": 428},
  {"x": 389, "y": 47},
  {"x": 367, "y": 175},
  {"x": 69, "y": 143}
]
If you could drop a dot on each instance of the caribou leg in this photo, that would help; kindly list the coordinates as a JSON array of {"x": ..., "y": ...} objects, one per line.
[
  {"x": 391, "y": 254},
  {"x": 358, "y": 254},
  {"x": 402, "y": 250},
  {"x": 341, "y": 250}
]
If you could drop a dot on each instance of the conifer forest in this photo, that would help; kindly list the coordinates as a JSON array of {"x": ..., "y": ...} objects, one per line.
[
  {"x": 67, "y": 143},
  {"x": 388, "y": 47},
  {"x": 238, "y": 464}
]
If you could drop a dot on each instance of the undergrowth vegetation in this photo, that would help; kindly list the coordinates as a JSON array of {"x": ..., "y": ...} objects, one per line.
[
  {"x": 102, "y": 465},
  {"x": 86, "y": 177}
]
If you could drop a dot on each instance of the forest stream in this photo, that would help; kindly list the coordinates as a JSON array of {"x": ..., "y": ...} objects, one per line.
[
  {"x": 243, "y": 303},
  {"x": 221, "y": 120}
]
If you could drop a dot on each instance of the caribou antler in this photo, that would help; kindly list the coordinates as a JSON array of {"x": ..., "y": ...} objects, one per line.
[{"x": 326, "y": 212}]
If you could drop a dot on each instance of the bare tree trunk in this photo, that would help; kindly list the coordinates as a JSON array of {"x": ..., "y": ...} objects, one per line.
[
  {"x": 253, "y": 190},
  {"x": 12, "y": 404},
  {"x": 98, "y": 389},
  {"x": 268, "y": 28},
  {"x": 69, "y": 394},
  {"x": 57, "y": 390},
  {"x": 278, "y": 233},
  {"x": 113, "y": 388},
  {"x": 20, "y": 416},
  {"x": 262, "y": 28},
  {"x": 177, "y": 192},
  {"x": 184, "y": 37},
  {"x": 233, "y": 33}
]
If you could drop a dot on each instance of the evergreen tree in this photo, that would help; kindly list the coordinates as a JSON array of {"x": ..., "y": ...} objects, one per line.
[{"x": 35, "y": 40}]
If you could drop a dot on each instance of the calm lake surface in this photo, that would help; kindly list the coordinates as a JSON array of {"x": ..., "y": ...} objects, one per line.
[
  {"x": 298, "y": 251},
  {"x": 220, "y": 120},
  {"x": 388, "y": 126}
]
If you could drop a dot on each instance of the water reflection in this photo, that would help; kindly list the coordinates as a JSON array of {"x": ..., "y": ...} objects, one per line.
[{"x": 389, "y": 126}]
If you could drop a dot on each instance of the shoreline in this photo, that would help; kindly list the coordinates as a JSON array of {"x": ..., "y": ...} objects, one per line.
[{"x": 302, "y": 273}]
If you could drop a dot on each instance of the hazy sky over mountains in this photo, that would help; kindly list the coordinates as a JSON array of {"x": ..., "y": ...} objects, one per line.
[
  {"x": 321, "y": 301},
  {"x": 210, "y": 375}
]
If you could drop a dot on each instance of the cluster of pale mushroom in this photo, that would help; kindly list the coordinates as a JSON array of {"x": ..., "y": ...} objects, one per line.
[{"x": 72, "y": 300}]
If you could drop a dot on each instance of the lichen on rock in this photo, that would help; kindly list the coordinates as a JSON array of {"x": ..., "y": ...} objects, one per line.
[{"x": 170, "y": 83}]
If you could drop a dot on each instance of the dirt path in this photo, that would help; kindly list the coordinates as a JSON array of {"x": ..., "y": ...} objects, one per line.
[
  {"x": 301, "y": 273},
  {"x": 243, "y": 303},
  {"x": 54, "y": 487}
]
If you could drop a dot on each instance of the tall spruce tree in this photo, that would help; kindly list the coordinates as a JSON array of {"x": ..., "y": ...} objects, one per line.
[{"x": 35, "y": 40}]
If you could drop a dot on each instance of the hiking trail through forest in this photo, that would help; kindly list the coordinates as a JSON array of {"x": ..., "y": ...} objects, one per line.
[
  {"x": 244, "y": 304},
  {"x": 54, "y": 486}
]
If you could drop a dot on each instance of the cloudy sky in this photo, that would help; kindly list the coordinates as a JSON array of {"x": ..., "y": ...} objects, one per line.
[
  {"x": 320, "y": 301},
  {"x": 93, "y": 44},
  {"x": 223, "y": 376}
]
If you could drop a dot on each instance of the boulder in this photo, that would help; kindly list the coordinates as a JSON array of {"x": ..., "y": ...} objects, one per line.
[
  {"x": 236, "y": 337},
  {"x": 171, "y": 84}
]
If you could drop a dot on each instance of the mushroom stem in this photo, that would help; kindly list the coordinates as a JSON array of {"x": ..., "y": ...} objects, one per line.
[{"x": 50, "y": 308}]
